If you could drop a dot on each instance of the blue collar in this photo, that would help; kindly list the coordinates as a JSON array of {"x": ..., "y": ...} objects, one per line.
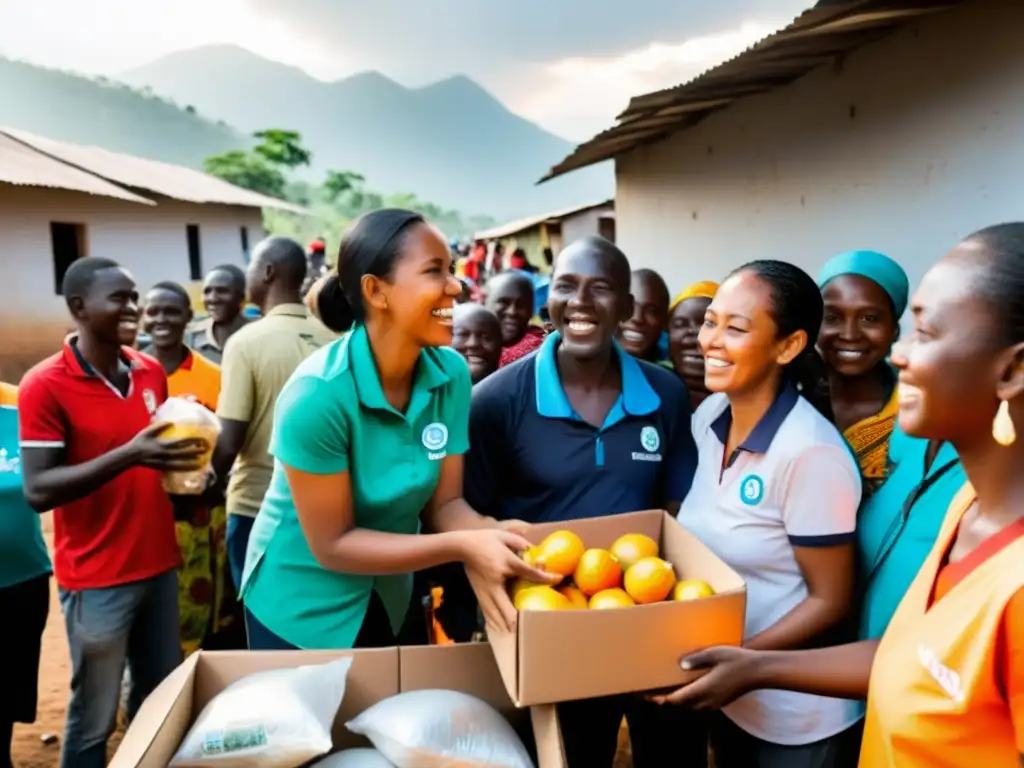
[
  {"x": 638, "y": 396},
  {"x": 760, "y": 438}
]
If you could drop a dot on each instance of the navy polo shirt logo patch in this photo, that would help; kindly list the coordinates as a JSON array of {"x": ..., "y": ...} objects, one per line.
[
  {"x": 751, "y": 490},
  {"x": 435, "y": 438},
  {"x": 650, "y": 441}
]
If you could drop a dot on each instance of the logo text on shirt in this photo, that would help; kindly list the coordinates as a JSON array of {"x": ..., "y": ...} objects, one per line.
[
  {"x": 9, "y": 465},
  {"x": 435, "y": 438},
  {"x": 947, "y": 679},
  {"x": 650, "y": 441}
]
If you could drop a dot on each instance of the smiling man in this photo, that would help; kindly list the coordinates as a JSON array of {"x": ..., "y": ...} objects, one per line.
[
  {"x": 223, "y": 299},
  {"x": 582, "y": 429},
  {"x": 510, "y": 297},
  {"x": 476, "y": 335},
  {"x": 641, "y": 334},
  {"x": 90, "y": 452}
]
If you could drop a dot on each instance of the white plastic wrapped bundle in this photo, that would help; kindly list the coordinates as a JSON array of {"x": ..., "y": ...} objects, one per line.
[
  {"x": 355, "y": 758},
  {"x": 188, "y": 419},
  {"x": 276, "y": 719},
  {"x": 441, "y": 729}
]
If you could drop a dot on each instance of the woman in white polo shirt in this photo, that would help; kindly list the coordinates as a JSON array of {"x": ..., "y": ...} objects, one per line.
[{"x": 775, "y": 496}]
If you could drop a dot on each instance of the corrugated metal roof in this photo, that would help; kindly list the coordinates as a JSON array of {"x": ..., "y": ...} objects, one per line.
[
  {"x": 22, "y": 165},
  {"x": 521, "y": 225},
  {"x": 830, "y": 29},
  {"x": 173, "y": 181}
]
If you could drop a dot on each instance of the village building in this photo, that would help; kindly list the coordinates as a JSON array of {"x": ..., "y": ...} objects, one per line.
[
  {"x": 891, "y": 125},
  {"x": 553, "y": 230},
  {"x": 60, "y": 202}
]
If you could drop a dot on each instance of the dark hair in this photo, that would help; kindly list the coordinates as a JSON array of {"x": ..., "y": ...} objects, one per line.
[
  {"x": 659, "y": 282},
  {"x": 235, "y": 272},
  {"x": 79, "y": 277},
  {"x": 175, "y": 288},
  {"x": 287, "y": 258},
  {"x": 1002, "y": 285},
  {"x": 371, "y": 246},
  {"x": 796, "y": 305}
]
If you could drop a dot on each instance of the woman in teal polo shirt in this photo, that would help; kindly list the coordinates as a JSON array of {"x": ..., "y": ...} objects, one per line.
[
  {"x": 368, "y": 433},
  {"x": 24, "y": 583}
]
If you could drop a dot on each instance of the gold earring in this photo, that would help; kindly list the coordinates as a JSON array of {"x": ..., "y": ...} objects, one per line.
[{"x": 1003, "y": 431}]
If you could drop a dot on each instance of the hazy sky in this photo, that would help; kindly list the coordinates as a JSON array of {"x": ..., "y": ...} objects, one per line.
[{"x": 570, "y": 65}]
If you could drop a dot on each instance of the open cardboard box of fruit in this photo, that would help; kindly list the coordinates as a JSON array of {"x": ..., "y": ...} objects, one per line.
[{"x": 639, "y": 593}]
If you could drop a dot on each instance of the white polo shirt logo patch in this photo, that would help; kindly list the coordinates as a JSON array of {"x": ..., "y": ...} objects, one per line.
[
  {"x": 752, "y": 490},
  {"x": 435, "y": 438},
  {"x": 650, "y": 441}
]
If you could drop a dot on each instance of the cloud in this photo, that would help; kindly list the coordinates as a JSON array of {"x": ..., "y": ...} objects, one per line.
[
  {"x": 413, "y": 40},
  {"x": 577, "y": 97}
]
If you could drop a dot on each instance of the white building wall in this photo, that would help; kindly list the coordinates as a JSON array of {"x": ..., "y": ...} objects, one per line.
[
  {"x": 908, "y": 145},
  {"x": 581, "y": 224},
  {"x": 150, "y": 241}
]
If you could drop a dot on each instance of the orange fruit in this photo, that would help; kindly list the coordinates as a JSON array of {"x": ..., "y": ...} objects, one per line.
[
  {"x": 597, "y": 569},
  {"x": 518, "y": 585},
  {"x": 559, "y": 553},
  {"x": 692, "y": 589},
  {"x": 649, "y": 580},
  {"x": 577, "y": 598},
  {"x": 633, "y": 547},
  {"x": 541, "y": 599},
  {"x": 530, "y": 556},
  {"x": 610, "y": 598}
]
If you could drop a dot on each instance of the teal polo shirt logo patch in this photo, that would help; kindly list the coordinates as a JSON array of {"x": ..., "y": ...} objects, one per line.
[
  {"x": 752, "y": 490},
  {"x": 435, "y": 438},
  {"x": 9, "y": 465},
  {"x": 650, "y": 441}
]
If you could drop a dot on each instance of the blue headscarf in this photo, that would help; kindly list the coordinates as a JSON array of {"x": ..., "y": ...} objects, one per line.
[{"x": 876, "y": 267}]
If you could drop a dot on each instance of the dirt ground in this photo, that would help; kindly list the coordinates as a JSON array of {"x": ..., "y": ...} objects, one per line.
[{"x": 54, "y": 675}]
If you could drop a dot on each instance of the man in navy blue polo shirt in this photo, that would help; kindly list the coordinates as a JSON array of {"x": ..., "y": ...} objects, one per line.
[{"x": 582, "y": 429}]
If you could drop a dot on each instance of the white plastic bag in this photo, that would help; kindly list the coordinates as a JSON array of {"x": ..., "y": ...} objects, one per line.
[
  {"x": 276, "y": 719},
  {"x": 355, "y": 758},
  {"x": 441, "y": 729},
  {"x": 189, "y": 419}
]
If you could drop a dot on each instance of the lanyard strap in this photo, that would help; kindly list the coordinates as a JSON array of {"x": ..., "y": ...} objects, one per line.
[{"x": 898, "y": 524}]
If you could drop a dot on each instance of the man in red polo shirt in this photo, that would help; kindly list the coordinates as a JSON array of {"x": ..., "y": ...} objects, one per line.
[{"x": 90, "y": 452}]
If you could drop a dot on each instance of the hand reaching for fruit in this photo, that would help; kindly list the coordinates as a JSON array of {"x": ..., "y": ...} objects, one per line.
[{"x": 491, "y": 559}]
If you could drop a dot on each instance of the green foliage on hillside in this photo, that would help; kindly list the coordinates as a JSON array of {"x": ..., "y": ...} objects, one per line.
[
  {"x": 116, "y": 116},
  {"x": 341, "y": 197}
]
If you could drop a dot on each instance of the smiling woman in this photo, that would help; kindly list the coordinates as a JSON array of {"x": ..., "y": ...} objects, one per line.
[
  {"x": 332, "y": 551},
  {"x": 775, "y": 496},
  {"x": 865, "y": 293}
]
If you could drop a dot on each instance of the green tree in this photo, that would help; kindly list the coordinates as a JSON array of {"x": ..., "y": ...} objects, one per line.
[
  {"x": 282, "y": 148},
  {"x": 339, "y": 183},
  {"x": 247, "y": 170}
]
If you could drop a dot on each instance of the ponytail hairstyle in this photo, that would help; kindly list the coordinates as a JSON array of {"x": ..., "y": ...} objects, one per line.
[
  {"x": 796, "y": 305},
  {"x": 372, "y": 245}
]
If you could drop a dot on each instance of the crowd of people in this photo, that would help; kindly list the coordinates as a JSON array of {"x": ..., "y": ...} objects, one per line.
[{"x": 391, "y": 429}]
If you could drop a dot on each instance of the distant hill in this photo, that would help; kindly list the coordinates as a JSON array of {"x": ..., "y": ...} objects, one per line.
[
  {"x": 108, "y": 114},
  {"x": 452, "y": 142}
]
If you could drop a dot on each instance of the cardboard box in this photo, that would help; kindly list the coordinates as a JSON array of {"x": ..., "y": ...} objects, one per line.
[
  {"x": 165, "y": 717},
  {"x": 564, "y": 655}
]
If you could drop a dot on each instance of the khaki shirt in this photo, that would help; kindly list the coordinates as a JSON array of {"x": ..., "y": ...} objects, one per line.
[
  {"x": 199, "y": 338},
  {"x": 258, "y": 360}
]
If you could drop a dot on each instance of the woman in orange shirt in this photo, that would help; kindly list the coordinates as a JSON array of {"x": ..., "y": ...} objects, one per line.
[
  {"x": 206, "y": 596},
  {"x": 945, "y": 685}
]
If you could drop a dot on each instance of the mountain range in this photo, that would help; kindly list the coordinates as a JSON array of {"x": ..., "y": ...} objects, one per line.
[{"x": 451, "y": 143}]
